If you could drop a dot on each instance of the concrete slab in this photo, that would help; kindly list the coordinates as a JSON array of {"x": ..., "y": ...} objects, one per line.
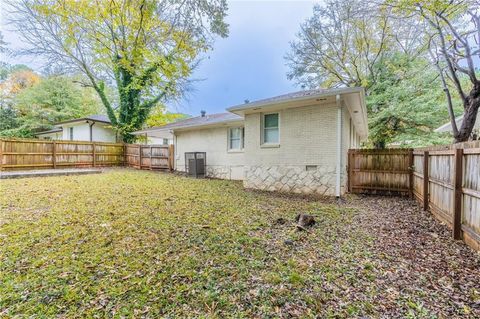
[{"x": 49, "y": 172}]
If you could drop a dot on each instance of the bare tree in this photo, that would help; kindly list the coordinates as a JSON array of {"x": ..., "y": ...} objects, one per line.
[
  {"x": 453, "y": 41},
  {"x": 343, "y": 40}
]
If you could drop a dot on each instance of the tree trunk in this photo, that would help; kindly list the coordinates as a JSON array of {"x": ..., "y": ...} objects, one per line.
[{"x": 472, "y": 104}]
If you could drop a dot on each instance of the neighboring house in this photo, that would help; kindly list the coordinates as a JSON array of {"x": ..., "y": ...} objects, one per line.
[
  {"x": 447, "y": 127},
  {"x": 93, "y": 128},
  {"x": 296, "y": 142},
  {"x": 154, "y": 136}
]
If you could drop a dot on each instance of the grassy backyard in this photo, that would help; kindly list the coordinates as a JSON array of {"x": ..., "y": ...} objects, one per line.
[{"x": 140, "y": 244}]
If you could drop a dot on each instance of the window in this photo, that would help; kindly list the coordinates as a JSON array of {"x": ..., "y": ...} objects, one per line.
[
  {"x": 71, "y": 134},
  {"x": 236, "y": 138},
  {"x": 270, "y": 129},
  {"x": 165, "y": 141}
]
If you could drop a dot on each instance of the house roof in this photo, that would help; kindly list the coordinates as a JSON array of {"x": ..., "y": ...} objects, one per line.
[
  {"x": 294, "y": 96},
  {"x": 354, "y": 98},
  {"x": 55, "y": 130},
  {"x": 95, "y": 118},
  {"x": 207, "y": 120},
  {"x": 447, "y": 127}
]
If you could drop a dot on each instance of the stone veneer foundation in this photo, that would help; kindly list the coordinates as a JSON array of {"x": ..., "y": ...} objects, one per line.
[
  {"x": 296, "y": 179},
  {"x": 221, "y": 172}
]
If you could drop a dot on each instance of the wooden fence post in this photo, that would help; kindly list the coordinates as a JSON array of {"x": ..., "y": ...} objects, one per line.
[
  {"x": 350, "y": 170},
  {"x": 171, "y": 155},
  {"x": 411, "y": 168},
  {"x": 1, "y": 154},
  {"x": 458, "y": 184},
  {"x": 54, "y": 155},
  {"x": 125, "y": 163},
  {"x": 140, "y": 155},
  {"x": 426, "y": 181},
  {"x": 94, "y": 154},
  {"x": 150, "y": 157}
]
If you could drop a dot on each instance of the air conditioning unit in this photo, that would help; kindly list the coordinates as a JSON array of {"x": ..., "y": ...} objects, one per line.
[{"x": 196, "y": 164}]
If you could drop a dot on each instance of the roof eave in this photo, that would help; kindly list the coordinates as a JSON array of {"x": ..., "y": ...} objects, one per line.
[
  {"x": 48, "y": 132},
  {"x": 86, "y": 119},
  {"x": 187, "y": 127},
  {"x": 240, "y": 109}
]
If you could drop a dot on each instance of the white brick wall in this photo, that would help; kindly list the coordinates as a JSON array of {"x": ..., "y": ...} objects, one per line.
[
  {"x": 213, "y": 141},
  {"x": 307, "y": 137}
]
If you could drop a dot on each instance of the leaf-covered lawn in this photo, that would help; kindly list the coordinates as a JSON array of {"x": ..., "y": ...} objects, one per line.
[{"x": 146, "y": 245}]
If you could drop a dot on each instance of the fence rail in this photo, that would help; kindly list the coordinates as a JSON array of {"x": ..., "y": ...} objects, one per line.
[
  {"x": 25, "y": 154},
  {"x": 444, "y": 180}
]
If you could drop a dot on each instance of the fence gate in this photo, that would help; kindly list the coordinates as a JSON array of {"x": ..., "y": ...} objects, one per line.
[
  {"x": 150, "y": 157},
  {"x": 380, "y": 171}
]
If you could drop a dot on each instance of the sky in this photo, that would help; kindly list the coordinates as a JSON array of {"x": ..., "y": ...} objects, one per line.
[{"x": 249, "y": 64}]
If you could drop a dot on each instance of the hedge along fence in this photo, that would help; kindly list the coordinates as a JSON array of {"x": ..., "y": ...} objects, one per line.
[
  {"x": 25, "y": 154},
  {"x": 448, "y": 175}
]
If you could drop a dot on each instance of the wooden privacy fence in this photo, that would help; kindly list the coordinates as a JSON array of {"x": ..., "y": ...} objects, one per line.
[
  {"x": 21, "y": 154},
  {"x": 24, "y": 154},
  {"x": 445, "y": 180},
  {"x": 151, "y": 157},
  {"x": 379, "y": 171}
]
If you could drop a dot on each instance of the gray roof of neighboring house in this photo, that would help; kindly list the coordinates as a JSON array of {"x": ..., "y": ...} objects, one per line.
[
  {"x": 208, "y": 119},
  {"x": 299, "y": 95},
  {"x": 95, "y": 118},
  {"x": 447, "y": 127},
  {"x": 55, "y": 130}
]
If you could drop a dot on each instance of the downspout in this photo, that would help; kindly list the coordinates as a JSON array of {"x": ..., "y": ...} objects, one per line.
[
  {"x": 91, "y": 130},
  {"x": 174, "y": 149},
  {"x": 339, "y": 147}
]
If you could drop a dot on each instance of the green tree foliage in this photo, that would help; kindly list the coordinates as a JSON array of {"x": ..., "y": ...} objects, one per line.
[
  {"x": 452, "y": 35},
  {"x": 406, "y": 104},
  {"x": 8, "y": 119},
  {"x": 351, "y": 43},
  {"x": 51, "y": 100},
  {"x": 159, "y": 116},
  {"x": 146, "y": 49}
]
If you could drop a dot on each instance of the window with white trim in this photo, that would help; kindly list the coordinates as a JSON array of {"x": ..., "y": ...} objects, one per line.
[
  {"x": 71, "y": 133},
  {"x": 236, "y": 136},
  {"x": 271, "y": 128}
]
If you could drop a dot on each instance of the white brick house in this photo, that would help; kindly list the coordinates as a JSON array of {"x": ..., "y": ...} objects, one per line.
[
  {"x": 93, "y": 128},
  {"x": 296, "y": 142}
]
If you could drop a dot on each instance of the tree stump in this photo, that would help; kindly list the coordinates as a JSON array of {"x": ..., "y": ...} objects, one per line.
[{"x": 304, "y": 221}]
